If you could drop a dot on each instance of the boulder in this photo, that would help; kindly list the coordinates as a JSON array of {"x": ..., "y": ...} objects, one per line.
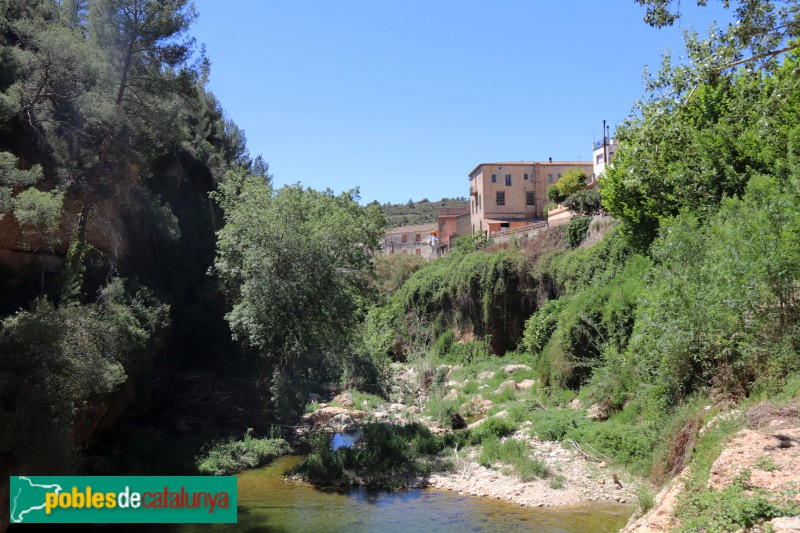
[
  {"x": 486, "y": 374},
  {"x": 342, "y": 423},
  {"x": 526, "y": 384},
  {"x": 576, "y": 405},
  {"x": 477, "y": 423},
  {"x": 322, "y": 416},
  {"x": 785, "y": 524},
  {"x": 314, "y": 397},
  {"x": 510, "y": 369},
  {"x": 510, "y": 384},
  {"x": 476, "y": 406},
  {"x": 597, "y": 411},
  {"x": 344, "y": 399},
  {"x": 452, "y": 395}
]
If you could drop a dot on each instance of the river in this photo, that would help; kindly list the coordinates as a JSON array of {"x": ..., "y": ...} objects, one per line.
[{"x": 268, "y": 503}]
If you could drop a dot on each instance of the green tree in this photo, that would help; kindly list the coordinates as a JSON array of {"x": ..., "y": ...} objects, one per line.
[
  {"x": 296, "y": 265},
  {"x": 572, "y": 181},
  {"x": 554, "y": 194},
  {"x": 762, "y": 28}
]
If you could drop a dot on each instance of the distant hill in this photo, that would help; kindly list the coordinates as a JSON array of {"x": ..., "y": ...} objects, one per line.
[{"x": 417, "y": 212}]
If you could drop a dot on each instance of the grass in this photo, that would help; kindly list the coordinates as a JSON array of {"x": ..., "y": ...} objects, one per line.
[
  {"x": 372, "y": 401},
  {"x": 765, "y": 464},
  {"x": 645, "y": 498},
  {"x": 470, "y": 387},
  {"x": 732, "y": 509},
  {"x": 493, "y": 428},
  {"x": 514, "y": 453},
  {"x": 232, "y": 456},
  {"x": 507, "y": 394},
  {"x": 557, "y": 482},
  {"x": 442, "y": 410}
]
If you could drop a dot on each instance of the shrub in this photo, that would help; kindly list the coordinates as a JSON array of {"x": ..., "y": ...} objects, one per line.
[
  {"x": 73, "y": 353},
  {"x": 577, "y": 230},
  {"x": 585, "y": 202},
  {"x": 386, "y": 456},
  {"x": 231, "y": 456},
  {"x": 731, "y": 509},
  {"x": 494, "y": 427},
  {"x": 556, "y": 424},
  {"x": 540, "y": 326},
  {"x": 632, "y": 446}
]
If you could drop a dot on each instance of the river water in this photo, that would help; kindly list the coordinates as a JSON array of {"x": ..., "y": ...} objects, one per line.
[{"x": 268, "y": 503}]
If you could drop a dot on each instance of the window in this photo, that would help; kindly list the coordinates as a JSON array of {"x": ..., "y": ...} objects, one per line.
[
  {"x": 526, "y": 176},
  {"x": 508, "y": 180},
  {"x": 418, "y": 252},
  {"x": 549, "y": 178},
  {"x": 599, "y": 159},
  {"x": 530, "y": 199},
  {"x": 494, "y": 178},
  {"x": 501, "y": 198},
  {"x": 417, "y": 237},
  {"x": 404, "y": 239}
]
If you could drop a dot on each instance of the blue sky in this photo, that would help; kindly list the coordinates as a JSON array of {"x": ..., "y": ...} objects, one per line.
[{"x": 404, "y": 99}]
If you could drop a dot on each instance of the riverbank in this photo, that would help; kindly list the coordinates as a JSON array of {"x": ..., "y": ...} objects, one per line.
[
  {"x": 504, "y": 442},
  {"x": 572, "y": 480},
  {"x": 498, "y": 454}
]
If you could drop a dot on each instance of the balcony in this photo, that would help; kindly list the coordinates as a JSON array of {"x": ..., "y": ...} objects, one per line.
[{"x": 609, "y": 142}]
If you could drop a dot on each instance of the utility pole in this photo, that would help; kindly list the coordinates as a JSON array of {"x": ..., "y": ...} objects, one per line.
[{"x": 605, "y": 144}]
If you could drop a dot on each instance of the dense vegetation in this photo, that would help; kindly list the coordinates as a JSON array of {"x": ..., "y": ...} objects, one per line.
[
  {"x": 146, "y": 241},
  {"x": 689, "y": 304},
  {"x": 109, "y": 147},
  {"x": 419, "y": 212}
]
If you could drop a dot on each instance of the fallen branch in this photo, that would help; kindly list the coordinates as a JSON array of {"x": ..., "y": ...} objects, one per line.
[{"x": 580, "y": 450}]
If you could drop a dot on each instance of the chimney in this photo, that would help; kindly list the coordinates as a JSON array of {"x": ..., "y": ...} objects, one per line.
[{"x": 551, "y": 159}]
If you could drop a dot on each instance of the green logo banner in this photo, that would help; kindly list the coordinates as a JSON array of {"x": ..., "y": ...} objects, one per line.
[{"x": 123, "y": 499}]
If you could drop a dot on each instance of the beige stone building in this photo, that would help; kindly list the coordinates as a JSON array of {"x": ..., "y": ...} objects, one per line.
[
  {"x": 513, "y": 194},
  {"x": 418, "y": 240}
]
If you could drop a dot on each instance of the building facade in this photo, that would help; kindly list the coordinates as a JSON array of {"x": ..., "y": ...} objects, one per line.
[
  {"x": 453, "y": 222},
  {"x": 421, "y": 240},
  {"x": 513, "y": 195},
  {"x": 602, "y": 155}
]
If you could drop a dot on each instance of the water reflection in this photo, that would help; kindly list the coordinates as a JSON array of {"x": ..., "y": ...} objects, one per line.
[
  {"x": 268, "y": 503},
  {"x": 345, "y": 440}
]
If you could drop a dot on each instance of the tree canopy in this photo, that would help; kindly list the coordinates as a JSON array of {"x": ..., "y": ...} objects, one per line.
[{"x": 295, "y": 264}]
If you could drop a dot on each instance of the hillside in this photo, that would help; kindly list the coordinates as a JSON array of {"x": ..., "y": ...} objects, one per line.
[{"x": 419, "y": 212}]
